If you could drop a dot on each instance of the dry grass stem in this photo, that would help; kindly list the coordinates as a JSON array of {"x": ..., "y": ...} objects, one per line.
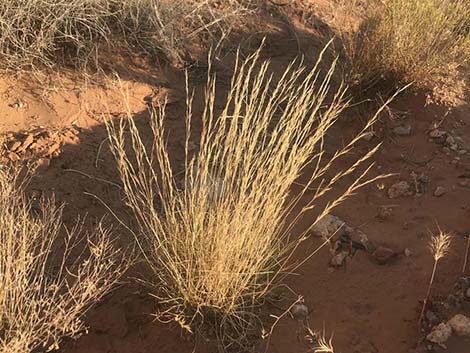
[
  {"x": 439, "y": 247},
  {"x": 467, "y": 250},
  {"x": 49, "y": 275}
]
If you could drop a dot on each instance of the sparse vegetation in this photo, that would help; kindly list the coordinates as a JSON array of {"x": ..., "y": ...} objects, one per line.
[
  {"x": 403, "y": 41},
  {"x": 47, "y": 282},
  {"x": 220, "y": 244},
  {"x": 44, "y": 33},
  {"x": 224, "y": 195}
]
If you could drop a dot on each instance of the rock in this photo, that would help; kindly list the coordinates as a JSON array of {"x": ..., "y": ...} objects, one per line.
[
  {"x": 460, "y": 324},
  {"x": 339, "y": 259},
  {"x": 407, "y": 252},
  {"x": 384, "y": 213},
  {"x": 26, "y": 143},
  {"x": 299, "y": 311},
  {"x": 12, "y": 156},
  {"x": 431, "y": 317},
  {"x": 462, "y": 152},
  {"x": 465, "y": 183},
  {"x": 450, "y": 140},
  {"x": 54, "y": 149},
  {"x": 328, "y": 225},
  {"x": 384, "y": 255},
  {"x": 436, "y": 133},
  {"x": 440, "y": 333},
  {"x": 368, "y": 136},
  {"x": 401, "y": 188},
  {"x": 439, "y": 191},
  {"x": 14, "y": 146},
  {"x": 403, "y": 130}
]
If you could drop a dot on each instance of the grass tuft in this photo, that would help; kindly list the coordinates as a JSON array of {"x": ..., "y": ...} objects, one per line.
[
  {"x": 218, "y": 245},
  {"x": 47, "y": 282},
  {"x": 44, "y": 33},
  {"x": 405, "y": 41}
]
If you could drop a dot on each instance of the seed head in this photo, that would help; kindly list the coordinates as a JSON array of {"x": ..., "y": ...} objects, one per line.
[{"x": 439, "y": 245}]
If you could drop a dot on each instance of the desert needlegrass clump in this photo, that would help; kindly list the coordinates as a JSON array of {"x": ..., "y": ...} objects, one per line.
[
  {"x": 219, "y": 243},
  {"x": 411, "y": 41},
  {"x": 47, "y": 283}
]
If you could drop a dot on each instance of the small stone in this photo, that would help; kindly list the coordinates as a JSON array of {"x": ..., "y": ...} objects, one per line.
[
  {"x": 465, "y": 183},
  {"x": 440, "y": 333},
  {"x": 383, "y": 255},
  {"x": 436, "y": 133},
  {"x": 404, "y": 130},
  {"x": 401, "y": 188},
  {"x": 26, "y": 143},
  {"x": 338, "y": 259},
  {"x": 407, "y": 252},
  {"x": 12, "y": 156},
  {"x": 299, "y": 312},
  {"x": 55, "y": 148},
  {"x": 439, "y": 191},
  {"x": 460, "y": 324},
  {"x": 384, "y": 212},
  {"x": 454, "y": 147},
  {"x": 462, "y": 152},
  {"x": 431, "y": 317},
  {"x": 450, "y": 140},
  {"x": 327, "y": 226},
  {"x": 14, "y": 146},
  {"x": 368, "y": 136},
  {"x": 44, "y": 162}
]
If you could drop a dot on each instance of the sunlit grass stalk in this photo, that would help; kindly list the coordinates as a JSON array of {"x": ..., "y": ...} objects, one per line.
[{"x": 439, "y": 247}]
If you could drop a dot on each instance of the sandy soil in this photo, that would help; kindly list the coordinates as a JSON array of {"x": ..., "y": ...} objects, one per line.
[{"x": 371, "y": 308}]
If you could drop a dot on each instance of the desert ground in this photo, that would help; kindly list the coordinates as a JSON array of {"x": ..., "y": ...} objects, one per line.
[{"x": 369, "y": 301}]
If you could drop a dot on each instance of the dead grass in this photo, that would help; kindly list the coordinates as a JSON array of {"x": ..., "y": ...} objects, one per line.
[
  {"x": 47, "y": 282},
  {"x": 439, "y": 247},
  {"x": 45, "y": 33},
  {"x": 405, "y": 41},
  {"x": 218, "y": 245}
]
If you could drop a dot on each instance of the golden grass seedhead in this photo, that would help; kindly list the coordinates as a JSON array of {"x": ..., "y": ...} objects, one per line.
[{"x": 439, "y": 245}]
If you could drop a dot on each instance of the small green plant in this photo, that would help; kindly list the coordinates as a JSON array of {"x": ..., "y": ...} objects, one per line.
[{"x": 405, "y": 41}]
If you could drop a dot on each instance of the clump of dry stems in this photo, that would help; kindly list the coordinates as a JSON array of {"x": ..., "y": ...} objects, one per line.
[
  {"x": 45, "y": 33},
  {"x": 217, "y": 246},
  {"x": 404, "y": 41},
  {"x": 47, "y": 283},
  {"x": 439, "y": 247}
]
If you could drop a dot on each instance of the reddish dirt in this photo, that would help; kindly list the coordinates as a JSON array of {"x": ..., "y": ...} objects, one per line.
[{"x": 370, "y": 308}]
